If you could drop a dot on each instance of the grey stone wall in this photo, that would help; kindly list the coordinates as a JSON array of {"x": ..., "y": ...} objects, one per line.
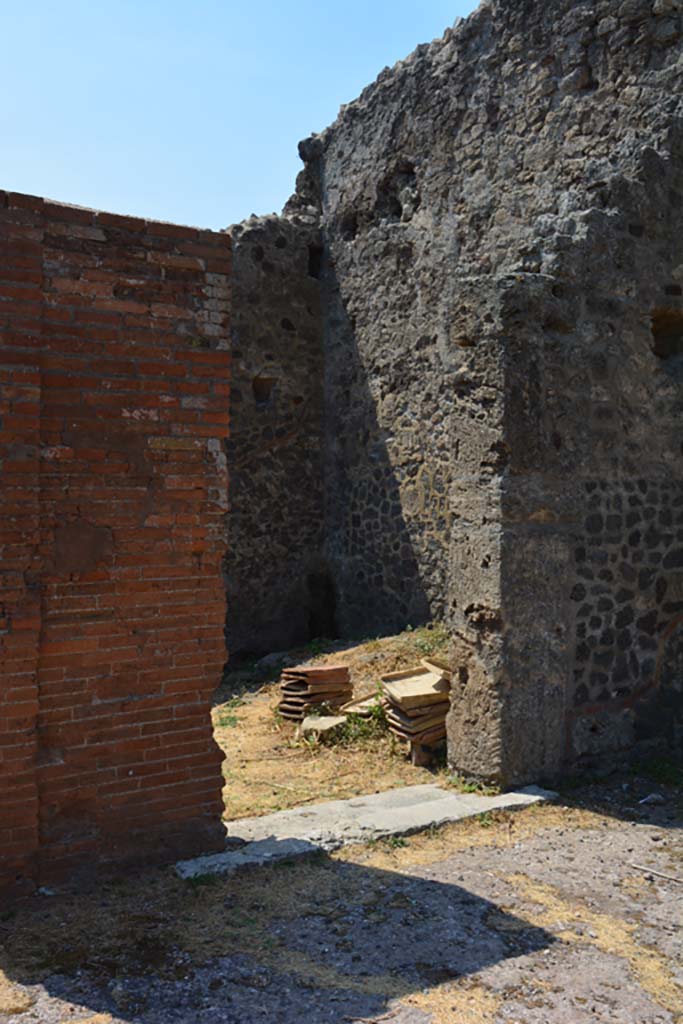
[
  {"x": 387, "y": 461},
  {"x": 273, "y": 571},
  {"x": 501, "y": 218},
  {"x": 502, "y": 215},
  {"x": 627, "y": 591}
]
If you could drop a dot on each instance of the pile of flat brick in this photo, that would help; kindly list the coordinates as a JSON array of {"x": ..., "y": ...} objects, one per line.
[
  {"x": 304, "y": 689},
  {"x": 416, "y": 702}
]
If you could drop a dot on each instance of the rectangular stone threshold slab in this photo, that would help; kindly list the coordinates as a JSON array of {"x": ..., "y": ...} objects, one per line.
[{"x": 301, "y": 831}]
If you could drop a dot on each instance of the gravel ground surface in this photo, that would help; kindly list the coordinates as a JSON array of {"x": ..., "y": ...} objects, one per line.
[{"x": 552, "y": 915}]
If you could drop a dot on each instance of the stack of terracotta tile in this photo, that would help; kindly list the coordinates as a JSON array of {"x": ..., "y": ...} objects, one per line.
[
  {"x": 304, "y": 688},
  {"x": 416, "y": 703}
]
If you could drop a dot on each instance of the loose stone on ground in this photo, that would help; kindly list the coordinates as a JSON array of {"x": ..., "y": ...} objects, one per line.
[{"x": 321, "y": 725}]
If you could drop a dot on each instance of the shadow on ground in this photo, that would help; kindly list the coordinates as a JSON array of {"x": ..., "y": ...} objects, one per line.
[
  {"x": 648, "y": 791},
  {"x": 325, "y": 940}
]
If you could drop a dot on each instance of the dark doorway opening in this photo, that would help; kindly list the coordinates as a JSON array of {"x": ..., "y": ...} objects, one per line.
[{"x": 322, "y": 606}]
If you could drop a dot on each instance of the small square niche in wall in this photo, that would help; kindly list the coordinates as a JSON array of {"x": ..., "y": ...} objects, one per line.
[
  {"x": 667, "y": 333},
  {"x": 263, "y": 389}
]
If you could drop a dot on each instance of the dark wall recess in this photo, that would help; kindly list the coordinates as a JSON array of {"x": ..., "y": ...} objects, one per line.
[
  {"x": 263, "y": 389},
  {"x": 667, "y": 333}
]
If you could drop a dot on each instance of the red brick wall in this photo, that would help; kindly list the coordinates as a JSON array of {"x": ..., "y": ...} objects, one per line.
[{"x": 113, "y": 411}]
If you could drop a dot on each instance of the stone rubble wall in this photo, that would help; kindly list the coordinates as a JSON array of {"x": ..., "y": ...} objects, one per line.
[
  {"x": 274, "y": 570},
  {"x": 502, "y": 222}
]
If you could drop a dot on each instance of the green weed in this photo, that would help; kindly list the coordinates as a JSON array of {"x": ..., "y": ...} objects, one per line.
[
  {"x": 664, "y": 770},
  {"x": 224, "y": 717},
  {"x": 395, "y": 842},
  {"x": 465, "y": 785},
  {"x": 318, "y": 645},
  {"x": 359, "y": 729},
  {"x": 224, "y": 720},
  {"x": 432, "y": 639}
]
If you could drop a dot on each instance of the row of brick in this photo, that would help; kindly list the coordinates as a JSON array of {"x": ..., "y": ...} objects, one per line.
[{"x": 114, "y": 383}]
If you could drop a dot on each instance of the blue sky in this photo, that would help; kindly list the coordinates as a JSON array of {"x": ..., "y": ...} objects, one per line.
[{"x": 187, "y": 111}]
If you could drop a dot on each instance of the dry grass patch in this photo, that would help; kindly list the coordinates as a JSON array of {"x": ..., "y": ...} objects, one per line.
[
  {"x": 612, "y": 935},
  {"x": 268, "y": 769},
  {"x": 494, "y": 829}
]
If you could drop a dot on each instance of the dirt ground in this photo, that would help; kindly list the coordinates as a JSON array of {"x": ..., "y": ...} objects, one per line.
[
  {"x": 559, "y": 914},
  {"x": 552, "y": 915},
  {"x": 267, "y": 769}
]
